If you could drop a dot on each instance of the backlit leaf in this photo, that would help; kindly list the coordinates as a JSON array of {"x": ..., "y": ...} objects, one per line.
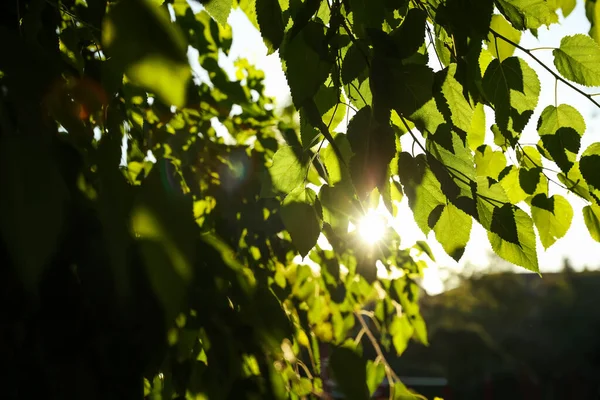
[
  {"x": 355, "y": 62},
  {"x": 219, "y": 10},
  {"x": 374, "y": 147},
  {"x": 529, "y": 179},
  {"x": 488, "y": 162},
  {"x": 306, "y": 63},
  {"x": 552, "y": 217},
  {"x": 560, "y": 130},
  {"x": 591, "y": 217},
  {"x": 337, "y": 170},
  {"x": 528, "y": 14},
  {"x": 592, "y": 11},
  {"x": 300, "y": 219},
  {"x": 140, "y": 37},
  {"x": 424, "y": 247},
  {"x": 513, "y": 88},
  {"x": 411, "y": 88},
  {"x": 270, "y": 21},
  {"x": 460, "y": 109},
  {"x": 567, "y": 6},
  {"x": 453, "y": 230},
  {"x": 490, "y": 195},
  {"x": 375, "y": 375},
  {"x": 421, "y": 187},
  {"x": 510, "y": 181},
  {"x": 578, "y": 59},
  {"x": 512, "y": 237},
  {"x": 477, "y": 128},
  {"x": 500, "y": 48},
  {"x": 367, "y": 14},
  {"x": 575, "y": 182},
  {"x": 411, "y": 34},
  {"x": 590, "y": 165},
  {"x": 288, "y": 171}
]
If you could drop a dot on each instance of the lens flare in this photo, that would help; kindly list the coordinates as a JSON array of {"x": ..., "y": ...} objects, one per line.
[{"x": 371, "y": 227}]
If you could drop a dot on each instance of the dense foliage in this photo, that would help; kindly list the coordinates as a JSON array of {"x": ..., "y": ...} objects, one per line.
[{"x": 144, "y": 253}]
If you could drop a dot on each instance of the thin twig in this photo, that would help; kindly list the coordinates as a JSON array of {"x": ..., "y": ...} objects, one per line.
[{"x": 376, "y": 346}]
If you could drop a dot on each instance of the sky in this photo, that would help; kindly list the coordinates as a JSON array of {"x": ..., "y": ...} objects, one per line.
[{"x": 577, "y": 245}]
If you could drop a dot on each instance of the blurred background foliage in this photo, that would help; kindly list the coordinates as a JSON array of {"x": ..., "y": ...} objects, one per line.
[{"x": 512, "y": 335}]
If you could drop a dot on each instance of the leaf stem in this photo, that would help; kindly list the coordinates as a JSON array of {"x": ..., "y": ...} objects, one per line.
[{"x": 542, "y": 48}]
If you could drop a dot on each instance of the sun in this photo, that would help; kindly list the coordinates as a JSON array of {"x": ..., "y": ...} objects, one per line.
[{"x": 372, "y": 226}]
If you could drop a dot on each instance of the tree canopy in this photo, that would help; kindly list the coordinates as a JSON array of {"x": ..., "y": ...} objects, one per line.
[{"x": 152, "y": 216}]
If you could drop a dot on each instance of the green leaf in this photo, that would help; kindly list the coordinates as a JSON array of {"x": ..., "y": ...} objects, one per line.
[
  {"x": 529, "y": 179},
  {"x": 219, "y": 10},
  {"x": 460, "y": 110},
  {"x": 330, "y": 106},
  {"x": 591, "y": 216},
  {"x": 458, "y": 169},
  {"x": 567, "y": 6},
  {"x": 424, "y": 247},
  {"x": 488, "y": 162},
  {"x": 513, "y": 89},
  {"x": 300, "y": 219},
  {"x": 359, "y": 93},
  {"x": 374, "y": 147},
  {"x": 409, "y": 37},
  {"x": 410, "y": 88},
  {"x": 563, "y": 116},
  {"x": 367, "y": 14},
  {"x": 500, "y": 48},
  {"x": 490, "y": 195},
  {"x": 375, "y": 375},
  {"x": 512, "y": 237},
  {"x": 337, "y": 207},
  {"x": 270, "y": 21},
  {"x": 337, "y": 170},
  {"x": 529, "y": 157},
  {"x": 288, "y": 170},
  {"x": 355, "y": 62},
  {"x": 302, "y": 13},
  {"x": 443, "y": 43},
  {"x": 249, "y": 8},
  {"x": 589, "y": 164},
  {"x": 552, "y": 217},
  {"x": 575, "y": 182},
  {"x": 421, "y": 187},
  {"x": 306, "y": 62},
  {"x": 476, "y": 131},
  {"x": 560, "y": 130},
  {"x": 511, "y": 182},
  {"x": 349, "y": 371},
  {"x": 578, "y": 59},
  {"x": 140, "y": 38},
  {"x": 330, "y": 111},
  {"x": 592, "y": 11},
  {"x": 452, "y": 231},
  {"x": 528, "y": 14}
]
